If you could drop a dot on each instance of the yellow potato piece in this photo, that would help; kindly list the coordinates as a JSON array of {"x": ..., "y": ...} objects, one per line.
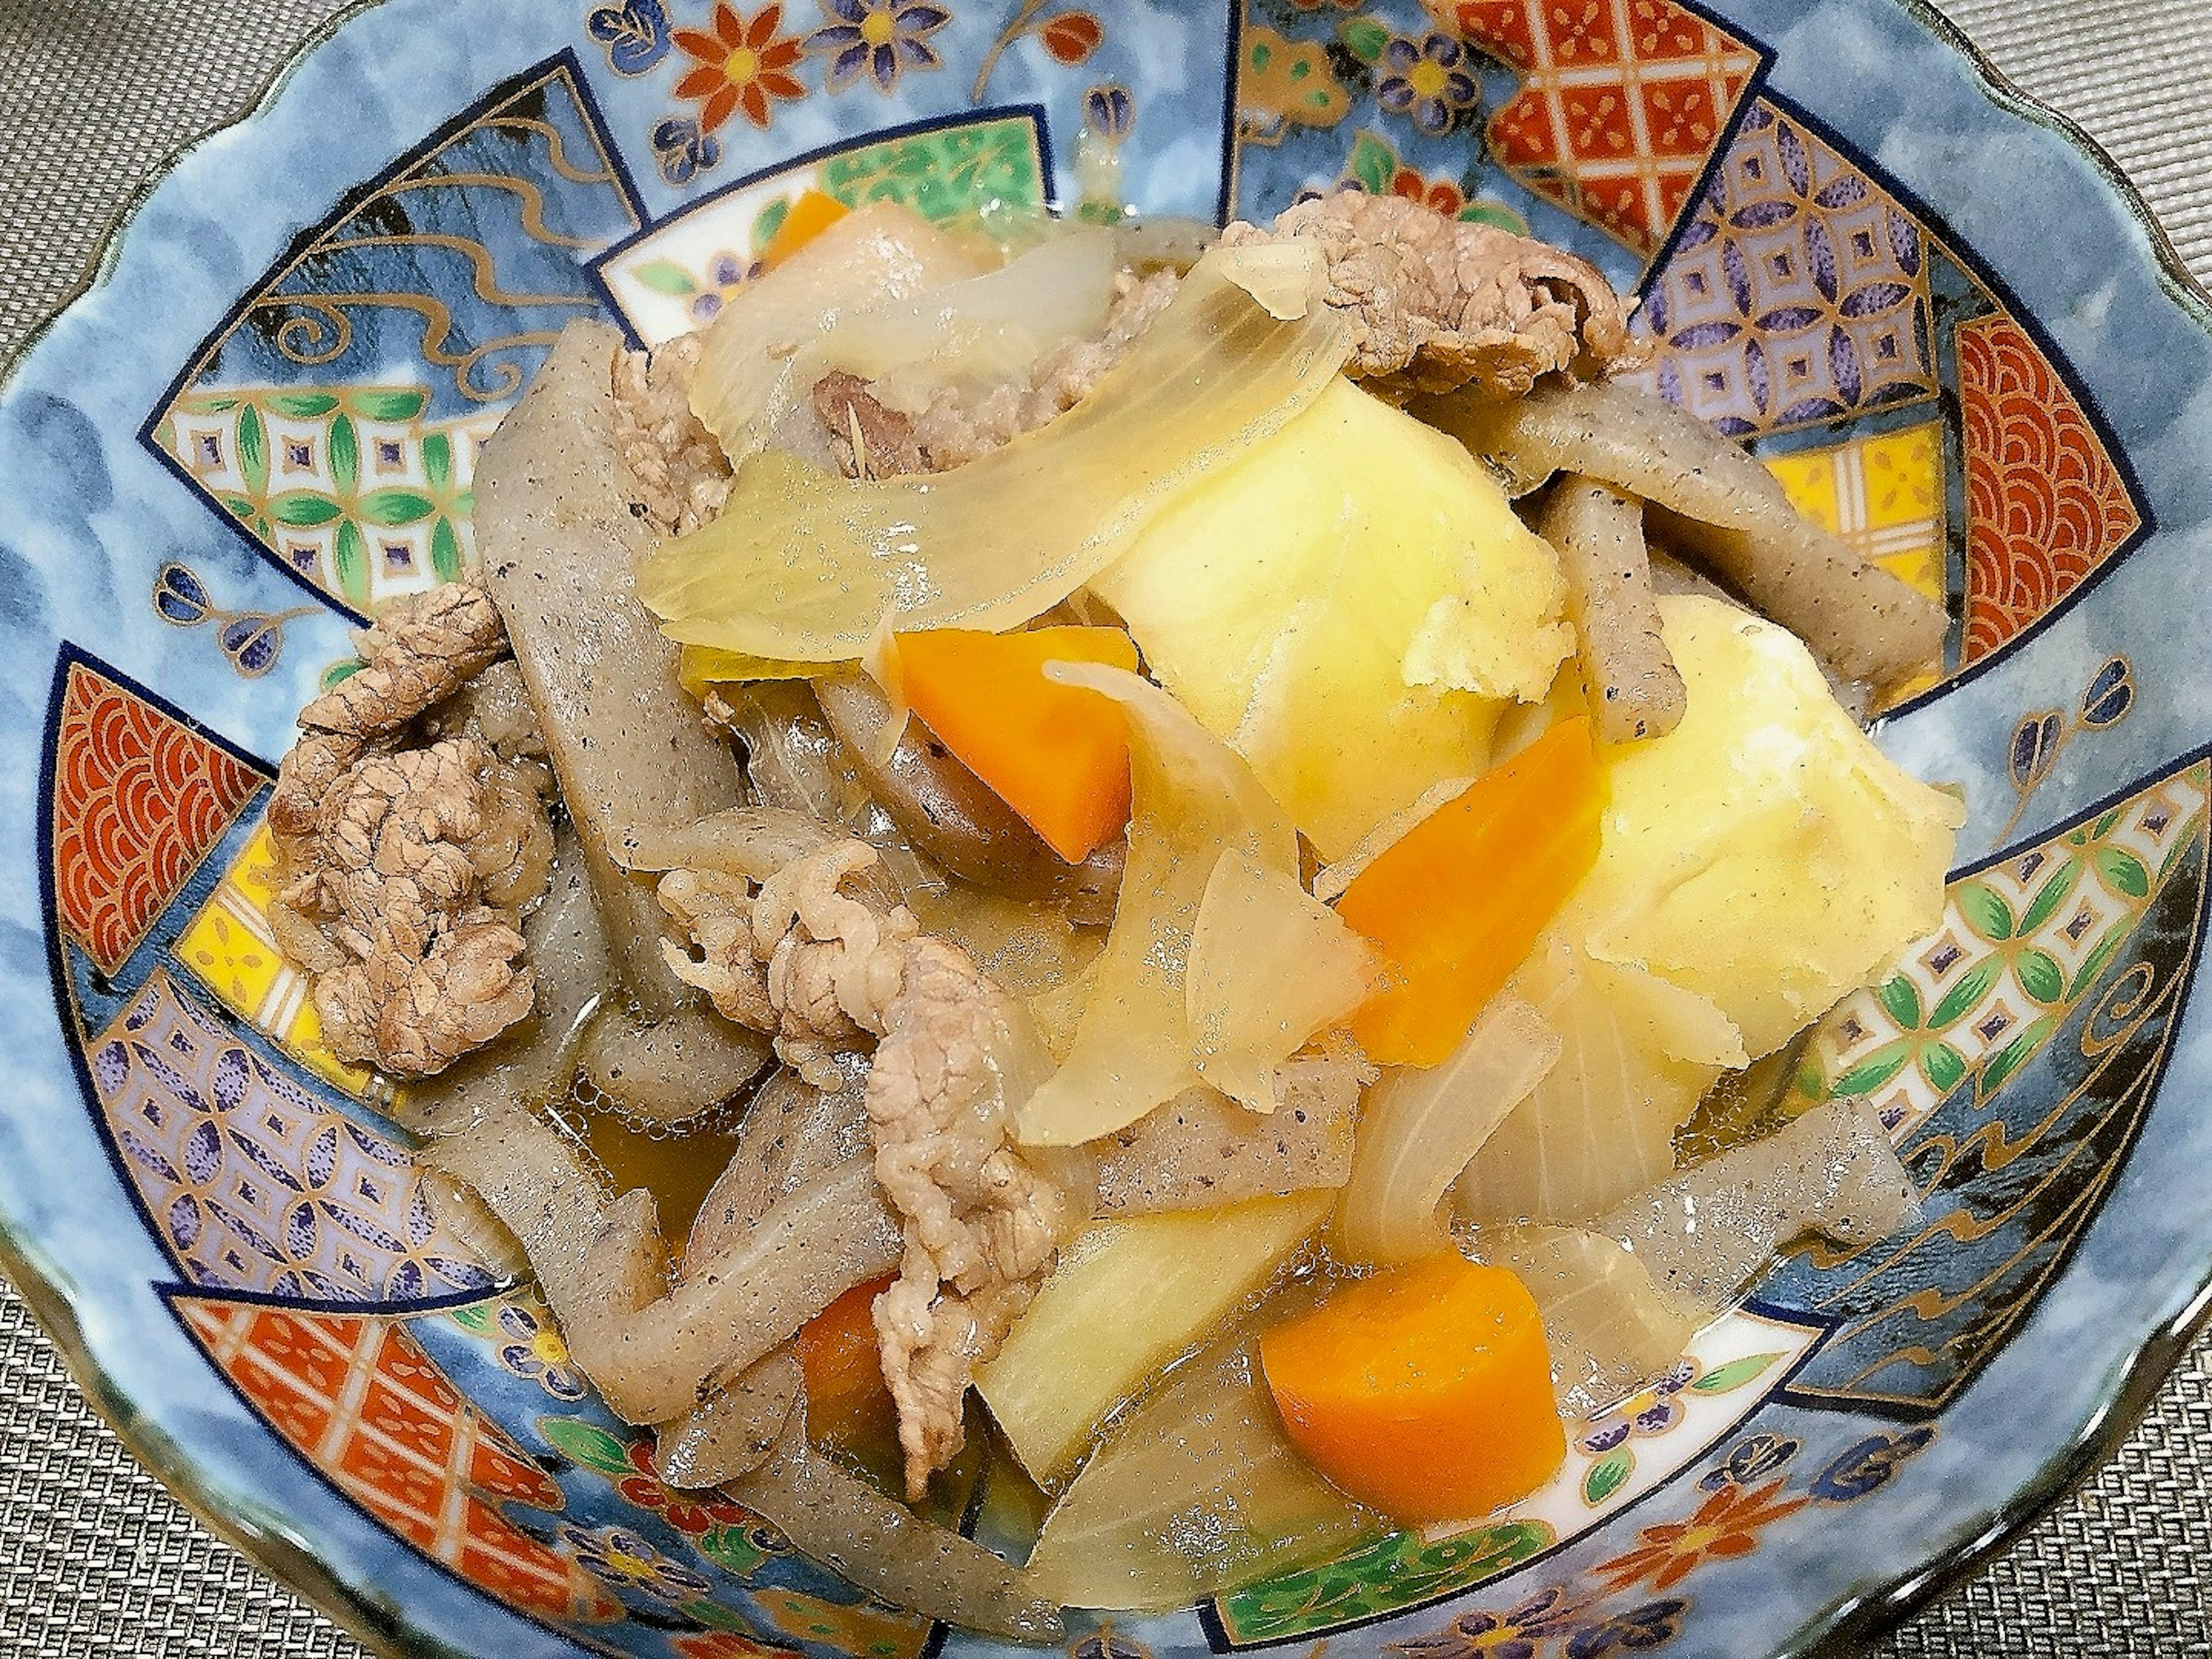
[
  {"x": 1350, "y": 607},
  {"x": 1127, "y": 1298},
  {"x": 1765, "y": 854}
]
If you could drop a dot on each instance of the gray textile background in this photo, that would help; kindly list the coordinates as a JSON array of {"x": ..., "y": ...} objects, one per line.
[{"x": 95, "y": 1557}]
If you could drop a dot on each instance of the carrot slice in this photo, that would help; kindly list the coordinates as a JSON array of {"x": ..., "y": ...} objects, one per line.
[
  {"x": 1059, "y": 755},
  {"x": 1457, "y": 903},
  {"x": 846, "y": 1393},
  {"x": 1425, "y": 1391},
  {"x": 812, "y": 213}
]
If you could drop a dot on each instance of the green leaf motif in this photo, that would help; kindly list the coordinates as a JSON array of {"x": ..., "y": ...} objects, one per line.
[
  {"x": 337, "y": 674},
  {"x": 477, "y": 1317},
  {"x": 1725, "y": 1379},
  {"x": 2086, "y": 974},
  {"x": 2103, "y": 827},
  {"x": 666, "y": 276},
  {"x": 302, "y": 509},
  {"x": 389, "y": 407},
  {"x": 350, "y": 560},
  {"x": 1394, "y": 1572},
  {"x": 2040, "y": 976},
  {"x": 1900, "y": 999},
  {"x": 1493, "y": 213},
  {"x": 301, "y": 405},
  {"x": 1364, "y": 38},
  {"x": 445, "y": 551},
  {"x": 2015, "y": 1054},
  {"x": 731, "y": 1549},
  {"x": 951, "y": 173},
  {"x": 1984, "y": 910},
  {"x": 1876, "y": 1069},
  {"x": 2049, "y": 896},
  {"x": 438, "y": 461},
  {"x": 1943, "y": 1066},
  {"x": 2123, "y": 871},
  {"x": 345, "y": 457},
  {"x": 587, "y": 1444},
  {"x": 1965, "y": 993},
  {"x": 1373, "y": 163},
  {"x": 1608, "y": 1474},
  {"x": 395, "y": 507},
  {"x": 767, "y": 222},
  {"x": 238, "y": 506},
  {"x": 252, "y": 450}
]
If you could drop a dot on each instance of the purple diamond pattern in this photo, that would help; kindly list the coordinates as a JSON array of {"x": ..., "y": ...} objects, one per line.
[
  {"x": 255, "y": 1184},
  {"x": 1797, "y": 293}
]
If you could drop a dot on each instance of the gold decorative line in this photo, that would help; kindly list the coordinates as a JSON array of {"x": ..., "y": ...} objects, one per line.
[
  {"x": 556, "y": 149},
  {"x": 324, "y": 313},
  {"x": 213, "y": 346},
  {"x": 532, "y": 199},
  {"x": 484, "y": 274}
]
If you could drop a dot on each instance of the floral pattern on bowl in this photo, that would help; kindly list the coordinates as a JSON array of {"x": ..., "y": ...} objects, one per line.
[{"x": 325, "y": 312}]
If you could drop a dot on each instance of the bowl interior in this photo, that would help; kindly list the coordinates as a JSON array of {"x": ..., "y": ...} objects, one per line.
[{"x": 328, "y": 310}]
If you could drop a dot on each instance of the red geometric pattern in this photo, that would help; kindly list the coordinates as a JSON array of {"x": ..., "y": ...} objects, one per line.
[
  {"x": 359, "y": 1398},
  {"x": 139, "y": 799},
  {"x": 1622, "y": 105},
  {"x": 2045, "y": 504}
]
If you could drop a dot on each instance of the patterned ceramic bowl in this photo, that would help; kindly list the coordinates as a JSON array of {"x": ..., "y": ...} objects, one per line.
[{"x": 1946, "y": 326}]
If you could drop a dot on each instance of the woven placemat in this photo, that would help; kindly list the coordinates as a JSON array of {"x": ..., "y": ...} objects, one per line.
[{"x": 96, "y": 1558}]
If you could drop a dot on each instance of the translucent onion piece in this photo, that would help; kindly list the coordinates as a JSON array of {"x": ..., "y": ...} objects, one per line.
[
  {"x": 1199, "y": 1491},
  {"x": 1270, "y": 965},
  {"x": 1191, "y": 799},
  {"x": 986, "y": 329},
  {"x": 1422, "y": 1126},
  {"x": 1202, "y": 1149},
  {"x": 750, "y": 380},
  {"x": 804, "y": 564},
  {"x": 887, "y": 1550},
  {"x": 1609, "y": 1330},
  {"x": 1703, "y": 1234},
  {"x": 1282, "y": 276},
  {"x": 1637, "y": 1053}
]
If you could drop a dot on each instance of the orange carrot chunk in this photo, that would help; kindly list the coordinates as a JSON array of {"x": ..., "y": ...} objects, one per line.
[
  {"x": 846, "y": 1393},
  {"x": 1458, "y": 901},
  {"x": 1059, "y": 755},
  {"x": 812, "y": 213},
  {"x": 1424, "y": 1391}
]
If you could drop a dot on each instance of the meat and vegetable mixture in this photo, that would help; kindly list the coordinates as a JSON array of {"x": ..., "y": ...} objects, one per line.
[{"x": 1116, "y": 864}]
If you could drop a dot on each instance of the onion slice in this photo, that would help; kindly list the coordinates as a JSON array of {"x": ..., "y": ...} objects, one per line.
[
  {"x": 1422, "y": 1125},
  {"x": 807, "y": 566},
  {"x": 1191, "y": 799},
  {"x": 1270, "y": 965}
]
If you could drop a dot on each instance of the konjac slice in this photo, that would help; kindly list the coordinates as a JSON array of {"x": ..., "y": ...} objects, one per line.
[
  {"x": 1425, "y": 1391},
  {"x": 1459, "y": 900},
  {"x": 1059, "y": 755}
]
